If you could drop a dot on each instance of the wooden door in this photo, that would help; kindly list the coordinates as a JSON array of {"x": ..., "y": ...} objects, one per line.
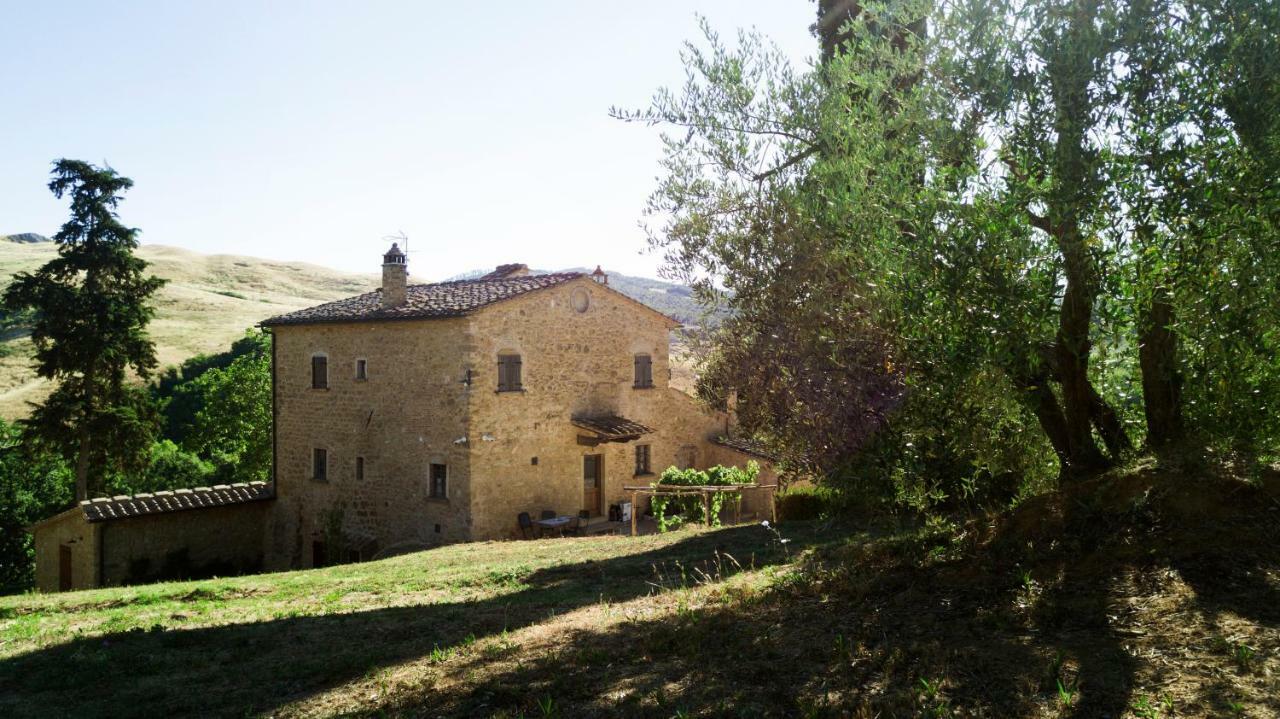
[
  {"x": 592, "y": 483},
  {"x": 64, "y": 568}
]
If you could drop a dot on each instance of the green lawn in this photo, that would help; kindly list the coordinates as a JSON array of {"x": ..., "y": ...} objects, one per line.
[
  {"x": 1145, "y": 593},
  {"x": 433, "y": 625}
]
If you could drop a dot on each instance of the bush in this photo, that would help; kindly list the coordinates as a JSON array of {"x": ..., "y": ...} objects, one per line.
[
  {"x": 33, "y": 486},
  {"x": 803, "y": 502},
  {"x": 169, "y": 467}
]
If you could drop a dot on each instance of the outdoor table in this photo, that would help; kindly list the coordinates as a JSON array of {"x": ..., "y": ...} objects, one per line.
[{"x": 554, "y": 522}]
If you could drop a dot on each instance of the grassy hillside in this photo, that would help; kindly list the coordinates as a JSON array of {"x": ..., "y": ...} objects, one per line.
[
  {"x": 209, "y": 302},
  {"x": 1151, "y": 592}
]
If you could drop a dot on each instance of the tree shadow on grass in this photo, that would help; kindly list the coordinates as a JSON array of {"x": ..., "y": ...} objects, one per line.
[
  {"x": 257, "y": 668},
  {"x": 1035, "y": 621}
]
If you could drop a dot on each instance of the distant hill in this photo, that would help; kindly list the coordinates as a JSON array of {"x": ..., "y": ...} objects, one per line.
[
  {"x": 210, "y": 300},
  {"x": 671, "y": 299},
  {"x": 27, "y": 237}
]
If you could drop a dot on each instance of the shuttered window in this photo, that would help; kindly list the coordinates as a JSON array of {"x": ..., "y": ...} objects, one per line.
[
  {"x": 644, "y": 371},
  {"x": 509, "y": 373},
  {"x": 319, "y": 465},
  {"x": 319, "y": 372},
  {"x": 642, "y": 459}
]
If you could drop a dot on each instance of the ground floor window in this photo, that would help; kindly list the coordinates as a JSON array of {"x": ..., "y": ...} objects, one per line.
[
  {"x": 319, "y": 464},
  {"x": 439, "y": 477},
  {"x": 642, "y": 459},
  {"x": 360, "y": 468}
]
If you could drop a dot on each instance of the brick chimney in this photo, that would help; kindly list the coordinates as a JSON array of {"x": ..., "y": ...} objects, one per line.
[{"x": 395, "y": 277}]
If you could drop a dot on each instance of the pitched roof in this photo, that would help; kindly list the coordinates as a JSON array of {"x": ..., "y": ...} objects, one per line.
[
  {"x": 442, "y": 299},
  {"x": 515, "y": 269},
  {"x": 746, "y": 446},
  {"x": 124, "y": 506},
  {"x": 610, "y": 428}
]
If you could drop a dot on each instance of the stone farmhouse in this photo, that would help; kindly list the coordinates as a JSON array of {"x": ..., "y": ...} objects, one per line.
[{"x": 418, "y": 415}]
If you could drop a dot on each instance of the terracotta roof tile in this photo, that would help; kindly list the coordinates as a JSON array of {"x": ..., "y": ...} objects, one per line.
[
  {"x": 124, "y": 506},
  {"x": 443, "y": 299}
]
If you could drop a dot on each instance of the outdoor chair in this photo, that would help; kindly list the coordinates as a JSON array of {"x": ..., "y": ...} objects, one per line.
[
  {"x": 578, "y": 525},
  {"x": 549, "y": 514},
  {"x": 526, "y": 524}
]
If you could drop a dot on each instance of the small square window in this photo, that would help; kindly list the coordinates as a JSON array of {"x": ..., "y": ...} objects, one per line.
[
  {"x": 362, "y": 369},
  {"x": 439, "y": 477},
  {"x": 319, "y": 465},
  {"x": 360, "y": 469}
]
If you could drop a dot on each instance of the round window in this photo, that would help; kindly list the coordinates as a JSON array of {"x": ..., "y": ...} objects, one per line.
[{"x": 580, "y": 300}]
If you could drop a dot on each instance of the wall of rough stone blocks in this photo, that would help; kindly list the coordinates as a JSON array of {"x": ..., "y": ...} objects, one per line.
[
  {"x": 195, "y": 543},
  {"x": 408, "y": 414},
  {"x": 521, "y": 453},
  {"x": 573, "y": 364},
  {"x": 70, "y": 529},
  {"x": 757, "y": 503}
]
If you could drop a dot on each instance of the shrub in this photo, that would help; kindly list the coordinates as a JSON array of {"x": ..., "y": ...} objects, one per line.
[
  {"x": 802, "y": 502},
  {"x": 169, "y": 467}
]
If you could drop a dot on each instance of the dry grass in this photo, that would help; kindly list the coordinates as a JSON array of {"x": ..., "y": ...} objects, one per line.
[
  {"x": 1153, "y": 592},
  {"x": 209, "y": 302}
]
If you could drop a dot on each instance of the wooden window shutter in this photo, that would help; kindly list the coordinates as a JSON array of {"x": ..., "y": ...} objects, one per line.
[
  {"x": 644, "y": 371},
  {"x": 508, "y": 372},
  {"x": 319, "y": 372}
]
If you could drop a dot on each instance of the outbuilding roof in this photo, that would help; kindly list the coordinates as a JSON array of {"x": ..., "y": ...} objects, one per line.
[
  {"x": 442, "y": 299},
  {"x": 746, "y": 446},
  {"x": 136, "y": 505}
]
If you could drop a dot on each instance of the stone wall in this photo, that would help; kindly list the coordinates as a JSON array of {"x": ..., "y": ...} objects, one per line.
[
  {"x": 410, "y": 412},
  {"x": 506, "y": 452},
  {"x": 68, "y": 529},
  {"x": 573, "y": 363},
  {"x": 191, "y": 544}
]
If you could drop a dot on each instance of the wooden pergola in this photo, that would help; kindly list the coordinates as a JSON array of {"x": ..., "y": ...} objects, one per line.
[{"x": 680, "y": 490}]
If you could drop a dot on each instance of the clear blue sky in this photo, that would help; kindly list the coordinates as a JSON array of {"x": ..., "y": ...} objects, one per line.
[{"x": 309, "y": 130}]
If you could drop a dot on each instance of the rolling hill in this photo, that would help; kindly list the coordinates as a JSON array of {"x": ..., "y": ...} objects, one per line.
[{"x": 210, "y": 300}]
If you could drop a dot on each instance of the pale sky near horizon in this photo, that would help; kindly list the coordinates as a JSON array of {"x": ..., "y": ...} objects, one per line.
[{"x": 309, "y": 131}]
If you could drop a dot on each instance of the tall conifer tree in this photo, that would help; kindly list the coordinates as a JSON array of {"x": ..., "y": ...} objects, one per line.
[{"x": 91, "y": 308}]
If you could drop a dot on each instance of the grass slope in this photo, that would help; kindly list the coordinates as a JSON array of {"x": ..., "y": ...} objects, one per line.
[
  {"x": 209, "y": 302},
  {"x": 1152, "y": 592}
]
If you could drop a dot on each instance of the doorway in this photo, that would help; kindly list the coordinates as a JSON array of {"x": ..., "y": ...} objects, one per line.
[
  {"x": 64, "y": 568},
  {"x": 592, "y": 483}
]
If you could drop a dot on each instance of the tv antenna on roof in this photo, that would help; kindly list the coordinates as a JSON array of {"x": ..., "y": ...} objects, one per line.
[{"x": 400, "y": 238}]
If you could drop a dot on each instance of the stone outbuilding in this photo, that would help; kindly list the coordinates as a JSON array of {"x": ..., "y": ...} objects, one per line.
[{"x": 133, "y": 539}]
